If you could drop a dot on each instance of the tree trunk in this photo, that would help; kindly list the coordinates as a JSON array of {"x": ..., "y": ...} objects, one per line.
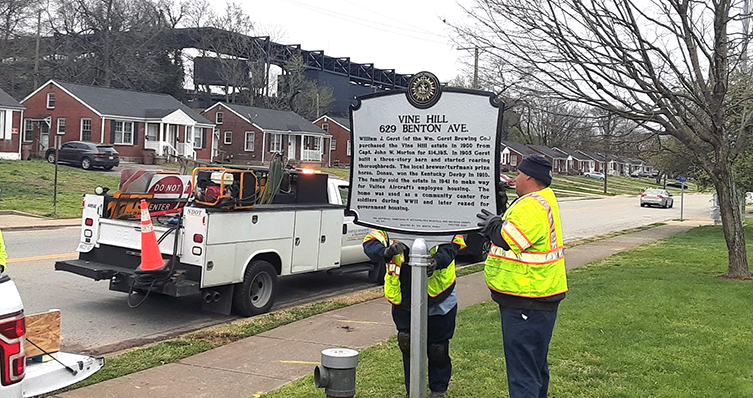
[{"x": 732, "y": 224}]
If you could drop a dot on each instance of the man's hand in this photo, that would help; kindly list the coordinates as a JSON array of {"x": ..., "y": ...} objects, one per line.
[
  {"x": 395, "y": 249},
  {"x": 487, "y": 219},
  {"x": 432, "y": 266}
]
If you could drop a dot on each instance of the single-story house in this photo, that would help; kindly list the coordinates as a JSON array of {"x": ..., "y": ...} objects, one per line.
[
  {"x": 339, "y": 144},
  {"x": 11, "y": 114},
  {"x": 597, "y": 161},
  {"x": 253, "y": 135},
  {"x": 131, "y": 121},
  {"x": 512, "y": 154},
  {"x": 558, "y": 159},
  {"x": 576, "y": 162}
]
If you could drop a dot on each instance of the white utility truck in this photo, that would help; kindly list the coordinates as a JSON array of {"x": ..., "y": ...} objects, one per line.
[
  {"x": 230, "y": 242},
  {"x": 21, "y": 377}
]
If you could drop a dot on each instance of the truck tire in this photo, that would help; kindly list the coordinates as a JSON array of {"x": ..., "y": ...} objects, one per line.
[
  {"x": 376, "y": 275},
  {"x": 256, "y": 294}
]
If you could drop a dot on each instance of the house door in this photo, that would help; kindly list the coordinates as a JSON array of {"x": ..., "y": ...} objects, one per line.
[
  {"x": 215, "y": 144},
  {"x": 44, "y": 136},
  {"x": 291, "y": 147}
]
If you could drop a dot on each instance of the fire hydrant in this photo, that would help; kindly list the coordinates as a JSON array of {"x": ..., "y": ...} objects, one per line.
[{"x": 337, "y": 372}]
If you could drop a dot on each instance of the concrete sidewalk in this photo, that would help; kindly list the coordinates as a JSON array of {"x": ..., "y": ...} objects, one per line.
[
  {"x": 12, "y": 220},
  {"x": 272, "y": 359}
]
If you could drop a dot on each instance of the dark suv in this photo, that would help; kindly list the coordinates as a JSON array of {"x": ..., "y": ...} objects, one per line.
[{"x": 85, "y": 154}]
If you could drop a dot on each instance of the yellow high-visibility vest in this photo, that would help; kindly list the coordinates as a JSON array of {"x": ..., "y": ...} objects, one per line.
[
  {"x": 535, "y": 264},
  {"x": 437, "y": 283}
]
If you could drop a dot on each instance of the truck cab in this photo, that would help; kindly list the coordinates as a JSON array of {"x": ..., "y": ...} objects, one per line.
[{"x": 21, "y": 377}]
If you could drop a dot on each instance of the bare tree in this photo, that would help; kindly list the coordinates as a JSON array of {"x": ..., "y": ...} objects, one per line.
[{"x": 664, "y": 64}]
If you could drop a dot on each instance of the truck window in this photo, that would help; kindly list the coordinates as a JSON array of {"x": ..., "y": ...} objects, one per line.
[{"x": 344, "y": 189}]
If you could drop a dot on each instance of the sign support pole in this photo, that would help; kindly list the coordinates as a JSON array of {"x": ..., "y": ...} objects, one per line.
[{"x": 419, "y": 260}]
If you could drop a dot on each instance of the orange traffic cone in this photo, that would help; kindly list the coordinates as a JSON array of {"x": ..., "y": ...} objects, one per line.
[{"x": 151, "y": 258}]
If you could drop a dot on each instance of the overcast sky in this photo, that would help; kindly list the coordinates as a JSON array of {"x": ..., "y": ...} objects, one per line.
[{"x": 406, "y": 35}]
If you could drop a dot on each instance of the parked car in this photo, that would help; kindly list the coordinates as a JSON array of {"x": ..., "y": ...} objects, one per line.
[
  {"x": 677, "y": 184},
  {"x": 640, "y": 174},
  {"x": 593, "y": 174},
  {"x": 507, "y": 181},
  {"x": 656, "y": 197},
  {"x": 85, "y": 154}
]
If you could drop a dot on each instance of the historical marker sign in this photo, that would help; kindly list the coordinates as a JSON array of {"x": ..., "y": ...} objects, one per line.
[{"x": 424, "y": 161}]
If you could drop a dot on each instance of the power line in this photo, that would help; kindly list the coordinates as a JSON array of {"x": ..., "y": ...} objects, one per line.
[
  {"x": 391, "y": 17},
  {"x": 368, "y": 23}
]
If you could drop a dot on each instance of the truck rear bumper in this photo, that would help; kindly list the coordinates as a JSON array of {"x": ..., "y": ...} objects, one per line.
[
  {"x": 123, "y": 279},
  {"x": 42, "y": 378}
]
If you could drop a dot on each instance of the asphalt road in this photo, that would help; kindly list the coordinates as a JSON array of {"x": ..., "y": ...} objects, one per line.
[{"x": 97, "y": 320}]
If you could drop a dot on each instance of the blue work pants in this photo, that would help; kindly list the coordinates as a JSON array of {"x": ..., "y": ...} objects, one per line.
[{"x": 526, "y": 335}]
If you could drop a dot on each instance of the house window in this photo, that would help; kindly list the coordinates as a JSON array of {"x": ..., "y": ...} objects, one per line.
[
  {"x": 86, "y": 129},
  {"x": 61, "y": 125},
  {"x": 275, "y": 143},
  {"x": 123, "y": 133},
  {"x": 332, "y": 144},
  {"x": 513, "y": 161},
  {"x": 50, "y": 100},
  {"x": 198, "y": 138},
  {"x": 347, "y": 148},
  {"x": 249, "y": 141},
  {"x": 228, "y": 138},
  {"x": 218, "y": 117},
  {"x": 28, "y": 130},
  {"x": 325, "y": 127}
]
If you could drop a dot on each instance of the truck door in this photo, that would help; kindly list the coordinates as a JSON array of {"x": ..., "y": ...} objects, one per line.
[
  {"x": 306, "y": 241},
  {"x": 329, "y": 238},
  {"x": 351, "y": 251}
]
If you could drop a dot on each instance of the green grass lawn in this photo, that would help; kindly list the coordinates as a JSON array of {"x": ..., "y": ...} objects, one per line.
[
  {"x": 655, "y": 321},
  {"x": 28, "y": 186}
]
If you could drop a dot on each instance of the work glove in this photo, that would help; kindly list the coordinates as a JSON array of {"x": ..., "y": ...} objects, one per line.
[
  {"x": 395, "y": 249},
  {"x": 487, "y": 220},
  {"x": 432, "y": 266},
  {"x": 2, "y": 269}
]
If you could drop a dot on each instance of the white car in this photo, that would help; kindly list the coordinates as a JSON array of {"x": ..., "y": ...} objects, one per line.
[
  {"x": 593, "y": 174},
  {"x": 21, "y": 378},
  {"x": 656, "y": 197}
]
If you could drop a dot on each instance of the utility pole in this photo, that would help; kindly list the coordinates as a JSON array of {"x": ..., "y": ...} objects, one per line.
[
  {"x": 475, "y": 63},
  {"x": 36, "y": 52}
]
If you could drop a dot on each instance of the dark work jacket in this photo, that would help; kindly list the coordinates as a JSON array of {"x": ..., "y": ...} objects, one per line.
[{"x": 445, "y": 255}]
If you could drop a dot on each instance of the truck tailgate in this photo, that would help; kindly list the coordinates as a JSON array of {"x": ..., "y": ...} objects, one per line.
[{"x": 45, "y": 377}]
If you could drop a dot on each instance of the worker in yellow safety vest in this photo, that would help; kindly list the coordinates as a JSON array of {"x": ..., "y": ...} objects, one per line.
[
  {"x": 442, "y": 301},
  {"x": 3, "y": 254},
  {"x": 525, "y": 271}
]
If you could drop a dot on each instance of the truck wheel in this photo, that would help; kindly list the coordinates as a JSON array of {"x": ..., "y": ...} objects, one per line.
[
  {"x": 376, "y": 275},
  {"x": 256, "y": 294}
]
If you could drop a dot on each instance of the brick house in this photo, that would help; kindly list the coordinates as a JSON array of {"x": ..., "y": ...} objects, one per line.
[
  {"x": 131, "y": 121},
  {"x": 339, "y": 144},
  {"x": 598, "y": 160},
  {"x": 512, "y": 154},
  {"x": 557, "y": 158},
  {"x": 11, "y": 113},
  {"x": 576, "y": 163},
  {"x": 251, "y": 135}
]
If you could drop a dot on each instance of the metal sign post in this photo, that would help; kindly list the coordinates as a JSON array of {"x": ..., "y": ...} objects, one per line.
[
  {"x": 419, "y": 256},
  {"x": 55, "y": 184},
  {"x": 682, "y": 196},
  {"x": 425, "y": 162}
]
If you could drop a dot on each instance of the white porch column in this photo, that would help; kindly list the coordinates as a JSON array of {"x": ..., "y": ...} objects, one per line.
[{"x": 161, "y": 139}]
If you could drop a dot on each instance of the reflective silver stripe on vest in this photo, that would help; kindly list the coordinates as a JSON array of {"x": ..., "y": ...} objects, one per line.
[
  {"x": 515, "y": 234},
  {"x": 528, "y": 258},
  {"x": 552, "y": 229}
]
